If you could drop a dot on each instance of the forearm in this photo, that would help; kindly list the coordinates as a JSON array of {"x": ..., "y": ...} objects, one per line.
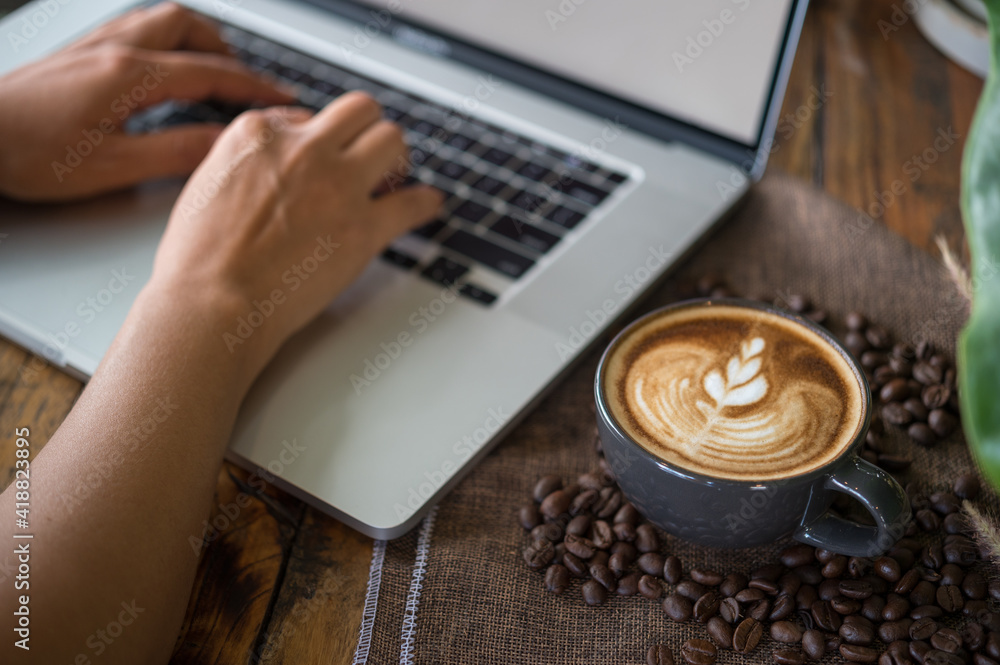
[{"x": 122, "y": 487}]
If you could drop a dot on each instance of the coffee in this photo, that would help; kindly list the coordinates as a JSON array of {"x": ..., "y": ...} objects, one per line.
[{"x": 733, "y": 392}]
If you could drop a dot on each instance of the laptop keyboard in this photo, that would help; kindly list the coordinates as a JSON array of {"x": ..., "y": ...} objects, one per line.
[{"x": 509, "y": 198}]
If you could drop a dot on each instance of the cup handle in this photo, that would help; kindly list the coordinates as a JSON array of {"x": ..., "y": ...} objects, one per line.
[{"x": 878, "y": 492}]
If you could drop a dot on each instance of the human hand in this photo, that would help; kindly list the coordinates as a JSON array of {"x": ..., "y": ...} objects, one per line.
[
  {"x": 61, "y": 117},
  {"x": 285, "y": 212}
]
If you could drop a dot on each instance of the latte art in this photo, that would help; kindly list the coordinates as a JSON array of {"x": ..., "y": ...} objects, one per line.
[{"x": 734, "y": 393}]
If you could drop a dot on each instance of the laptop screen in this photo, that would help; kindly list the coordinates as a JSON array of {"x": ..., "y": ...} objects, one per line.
[{"x": 710, "y": 63}]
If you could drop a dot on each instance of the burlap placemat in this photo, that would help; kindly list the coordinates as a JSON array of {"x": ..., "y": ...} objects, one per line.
[{"x": 456, "y": 589}]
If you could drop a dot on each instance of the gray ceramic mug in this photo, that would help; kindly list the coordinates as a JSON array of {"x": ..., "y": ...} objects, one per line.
[{"x": 742, "y": 513}]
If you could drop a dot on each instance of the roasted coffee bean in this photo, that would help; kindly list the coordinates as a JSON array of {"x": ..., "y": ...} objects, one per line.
[
  {"x": 829, "y": 589},
  {"x": 672, "y": 570},
  {"x": 646, "y": 539},
  {"x": 833, "y": 641},
  {"x": 916, "y": 408},
  {"x": 797, "y": 555},
  {"x": 590, "y": 481},
  {"x": 805, "y": 597},
  {"x": 933, "y": 557},
  {"x": 955, "y": 523},
  {"x": 659, "y": 654},
  {"x": 650, "y": 587},
  {"x": 922, "y": 629},
  {"x": 855, "y": 321},
  {"x": 887, "y": 373},
  {"x": 825, "y": 616},
  {"x": 767, "y": 586},
  {"x": 624, "y": 531},
  {"x": 628, "y": 585},
  {"x": 907, "y": 582},
  {"x": 951, "y": 574},
  {"x": 903, "y": 556},
  {"x": 858, "y": 566},
  {"x": 539, "y": 553},
  {"x": 896, "y": 607},
  {"x": 549, "y": 531},
  {"x": 894, "y": 414},
  {"x": 707, "y": 606},
  {"x": 887, "y": 568},
  {"x": 857, "y": 630},
  {"x": 786, "y": 632},
  {"x": 601, "y": 535},
  {"x": 856, "y": 589},
  {"x": 973, "y": 608},
  {"x": 943, "y": 423},
  {"x": 747, "y": 635},
  {"x": 872, "y": 608},
  {"x": 878, "y": 337},
  {"x": 529, "y": 517},
  {"x": 897, "y": 653},
  {"x": 927, "y": 374},
  {"x": 618, "y": 564},
  {"x": 556, "y": 578},
  {"x": 992, "y": 646},
  {"x": 974, "y": 586},
  {"x": 600, "y": 558},
  {"x": 677, "y": 607},
  {"x": 813, "y": 644},
  {"x": 575, "y": 565},
  {"x": 926, "y": 611},
  {"x": 858, "y": 654},
  {"x": 935, "y": 397},
  {"x": 579, "y": 547},
  {"x": 651, "y": 563},
  {"x": 627, "y": 514},
  {"x": 923, "y": 594},
  {"x": 579, "y": 525},
  {"x": 949, "y": 597},
  {"x": 545, "y": 486},
  {"x": 963, "y": 553},
  {"x": 750, "y": 595},
  {"x": 627, "y": 550},
  {"x": 789, "y": 657},
  {"x": 922, "y": 434},
  {"x": 759, "y": 610},
  {"x": 894, "y": 391},
  {"x": 593, "y": 592},
  {"x": 706, "y": 577},
  {"x": 919, "y": 649},
  {"x": 967, "y": 486},
  {"x": 733, "y": 584},
  {"x": 555, "y": 504},
  {"x": 729, "y": 609},
  {"x": 720, "y": 631},
  {"x": 872, "y": 358},
  {"x": 604, "y": 576},
  {"x": 945, "y": 503},
  {"x": 835, "y": 567},
  {"x": 890, "y": 631},
  {"x": 938, "y": 657},
  {"x": 817, "y": 315},
  {"x": 691, "y": 590},
  {"x": 928, "y": 520},
  {"x": 947, "y": 639},
  {"x": 699, "y": 652},
  {"x": 782, "y": 608},
  {"x": 980, "y": 659},
  {"x": 583, "y": 501},
  {"x": 610, "y": 502},
  {"x": 973, "y": 636},
  {"x": 825, "y": 556},
  {"x": 843, "y": 605},
  {"x": 994, "y": 589}
]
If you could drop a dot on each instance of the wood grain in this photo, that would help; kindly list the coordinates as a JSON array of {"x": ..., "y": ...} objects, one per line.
[{"x": 283, "y": 583}]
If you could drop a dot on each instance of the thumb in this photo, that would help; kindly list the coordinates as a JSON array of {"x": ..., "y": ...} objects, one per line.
[
  {"x": 171, "y": 152},
  {"x": 406, "y": 209}
]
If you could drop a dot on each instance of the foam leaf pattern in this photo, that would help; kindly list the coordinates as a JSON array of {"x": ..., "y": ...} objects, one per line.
[{"x": 744, "y": 384}]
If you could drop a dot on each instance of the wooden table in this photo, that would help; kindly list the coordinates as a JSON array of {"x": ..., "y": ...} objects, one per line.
[{"x": 286, "y": 583}]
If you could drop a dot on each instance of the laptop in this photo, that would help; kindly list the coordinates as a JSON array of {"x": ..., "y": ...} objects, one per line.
[{"x": 584, "y": 148}]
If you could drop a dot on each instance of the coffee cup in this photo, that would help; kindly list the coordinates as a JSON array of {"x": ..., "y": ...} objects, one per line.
[{"x": 731, "y": 423}]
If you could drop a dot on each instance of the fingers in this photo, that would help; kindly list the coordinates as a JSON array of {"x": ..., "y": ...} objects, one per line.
[
  {"x": 404, "y": 210},
  {"x": 198, "y": 76},
  {"x": 173, "y": 152},
  {"x": 344, "y": 119},
  {"x": 380, "y": 151},
  {"x": 165, "y": 27}
]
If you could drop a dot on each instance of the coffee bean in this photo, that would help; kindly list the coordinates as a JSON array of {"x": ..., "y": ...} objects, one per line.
[
  {"x": 593, "y": 592},
  {"x": 650, "y": 587},
  {"x": 539, "y": 553},
  {"x": 922, "y": 434},
  {"x": 894, "y": 414},
  {"x": 896, "y": 607},
  {"x": 555, "y": 504},
  {"x": 829, "y": 589},
  {"x": 896, "y": 655},
  {"x": 651, "y": 563},
  {"x": 872, "y": 608},
  {"x": 907, "y": 582},
  {"x": 624, "y": 531},
  {"x": 825, "y": 616},
  {"x": 927, "y": 374},
  {"x": 903, "y": 556},
  {"x": 916, "y": 408},
  {"x": 857, "y": 630},
  {"x": 583, "y": 502},
  {"x": 935, "y": 397},
  {"x": 690, "y": 590},
  {"x": 858, "y": 654},
  {"x": 964, "y": 553},
  {"x": 967, "y": 486},
  {"x": 672, "y": 569},
  {"x": 545, "y": 486},
  {"x": 579, "y": 525},
  {"x": 782, "y": 608},
  {"x": 922, "y": 629},
  {"x": 699, "y": 652},
  {"x": 887, "y": 568},
  {"x": 926, "y": 611},
  {"x": 659, "y": 654},
  {"x": 924, "y": 350},
  {"x": 707, "y": 577},
  {"x": 805, "y": 597},
  {"x": 646, "y": 539},
  {"x": 872, "y": 358},
  {"x": 856, "y": 589},
  {"x": 814, "y": 644},
  {"x": 955, "y": 523},
  {"x": 894, "y": 391},
  {"x": 890, "y": 631},
  {"x": 945, "y": 503},
  {"x": 797, "y": 555},
  {"x": 767, "y": 586},
  {"x": 747, "y": 635},
  {"x": 786, "y": 632},
  {"x": 928, "y": 520},
  {"x": 590, "y": 481},
  {"x": 886, "y": 373},
  {"x": 980, "y": 659},
  {"x": 618, "y": 564},
  {"x": 973, "y": 636},
  {"x": 759, "y": 610},
  {"x": 973, "y": 608},
  {"x": 627, "y": 550},
  {"x": 994, "y": 589},
  {"x": 733, "y": 584},
  {"x": 950, "y": 598},
  {"x": 720, "y": 631},
  {"x": 938, "y": 657},
  {"x": 789, "y": 657},
  {"x": 788, "y": 584},
  {"x": 835, "y": 567},
  {"x": 628, "y": 585},
  {"x": 951, "y": 574},
  {"x": 855, "y": 321},
  {"x": 529, "y": 517},
  {"x": 611, "y": 500},
  {"x": 843, "y": 605},
  {"x": 878, "y": 337},
  {"x": 627, "y": 514},
  {"x": 817, "y": 315},
  {"x": 601, "y": 535},
  {"x": 992, "y": 646},
  {"x": 947, "y": 640},
  {"x": 677, "y": 607},
  {"x": 556, "y": 578},
  {"x": 943, "y": 423},
  {"x": 932, "y": 556},
  {"x": 579, "y": 547},
  {"x": 575, "y": 566},
  {"x": 604, "y": 576},
  {"x": 923, "y": 594},
  {"x": 729, "y": 609},
  {"x": 600, "y": 558},
  {"x": 707, "y": 606},
  {"x": 974, "y": 586}
]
